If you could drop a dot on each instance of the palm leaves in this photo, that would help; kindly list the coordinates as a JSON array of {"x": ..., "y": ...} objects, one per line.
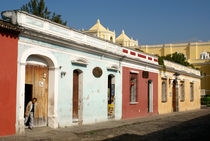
[{"x": 38, "y": 8}]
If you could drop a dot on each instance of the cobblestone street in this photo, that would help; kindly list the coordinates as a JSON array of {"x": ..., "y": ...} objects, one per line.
[{"x": 191, "y": 125}]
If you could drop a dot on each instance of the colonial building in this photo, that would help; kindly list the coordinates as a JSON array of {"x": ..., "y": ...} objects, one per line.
[
  {"x": 76, "y": 78},
  {"x": 139, "y": 85},
  {"x": 196, "y": 53},
  {"x": 179, "y": 88},
  {"x": 81, "y": 79},
  {"x": 8, "y": 77}
]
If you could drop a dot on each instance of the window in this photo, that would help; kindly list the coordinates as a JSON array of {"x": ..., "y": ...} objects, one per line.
[
  {"x": 191, "y": 92},
  {"x": 164, "y": 93},
  {"x": 133, "y": 87},
  {"x": 182, "y": 91}
]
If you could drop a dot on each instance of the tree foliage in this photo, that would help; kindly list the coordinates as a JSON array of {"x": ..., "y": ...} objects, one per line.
[
  {"x": 38, "y": 8},
  {"x": 175, "y": 57}
]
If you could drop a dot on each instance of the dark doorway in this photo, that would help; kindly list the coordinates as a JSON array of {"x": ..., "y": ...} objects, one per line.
[
  {"x": 174, "y": 96},
  {"x": 75, "y": 93},
  {"x": 28, "y": 94},
  {"x": 111, "y": 96}
]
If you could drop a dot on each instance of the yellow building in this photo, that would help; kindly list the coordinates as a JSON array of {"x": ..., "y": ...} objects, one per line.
[
  {"x": 197, "y": 53},
  {"x": 125, "y": 41},
  {"x": 100, "y": 31},
  {"x": 179, "y": 88}
]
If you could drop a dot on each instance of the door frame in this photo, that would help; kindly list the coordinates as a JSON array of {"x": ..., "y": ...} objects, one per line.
[
  {"x": 114, "y": 85},
  {"x": 175, "y": 96},
  {"x": 35, "y": 68},
  {"x": 79, "y": 120},
  {"x": 52, "y": 83}
]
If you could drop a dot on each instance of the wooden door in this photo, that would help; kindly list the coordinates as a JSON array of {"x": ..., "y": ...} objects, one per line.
[
  {"x": 37, "y": 76},
  {"x": 174, "y": 97},
  {"x": 75, "y": 93}
]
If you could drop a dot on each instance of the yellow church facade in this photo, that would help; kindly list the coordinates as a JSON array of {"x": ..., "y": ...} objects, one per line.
[
  {"x": 197, "y": 53},
  {"x": 100, "y": 31},
  {"x": 125, "y": 41}
]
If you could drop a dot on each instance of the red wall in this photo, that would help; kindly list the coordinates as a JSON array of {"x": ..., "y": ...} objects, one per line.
[
  {"x": 140, "y": 109},
  {"x": 8, "y": 79}
]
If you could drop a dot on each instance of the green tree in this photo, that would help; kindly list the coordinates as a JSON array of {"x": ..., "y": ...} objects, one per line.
[
  {"x": 175, "y": 57},
  {"x": 38, "y": 8},
  {"x": 57, "y": 19}
]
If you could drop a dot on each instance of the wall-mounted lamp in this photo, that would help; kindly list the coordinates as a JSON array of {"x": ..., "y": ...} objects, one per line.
[
  {"x": 63, "y": 73},
  {"x": 176, "y": 74}
]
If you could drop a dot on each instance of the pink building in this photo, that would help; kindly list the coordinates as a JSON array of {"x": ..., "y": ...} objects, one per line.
[{"x": 139, "y": 85}]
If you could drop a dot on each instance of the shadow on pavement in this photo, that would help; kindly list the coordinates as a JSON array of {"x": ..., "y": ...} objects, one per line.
[{"x": 193, "y": 130}]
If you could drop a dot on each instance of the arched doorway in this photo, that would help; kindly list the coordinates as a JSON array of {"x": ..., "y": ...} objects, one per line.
[
  {"x": 33, "y": 56},
  {"x": 150, "y": 96},
  {"x": 175, "y": 91},
  {"x": 36, "y": 85},
  {"x": 77, "y": 97},
  {"x": 111, "y": 96},
  {"x": 111, "y": 39}
]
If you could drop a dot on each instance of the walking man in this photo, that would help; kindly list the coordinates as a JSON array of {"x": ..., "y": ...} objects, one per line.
[{"x": 29, "y": 114}]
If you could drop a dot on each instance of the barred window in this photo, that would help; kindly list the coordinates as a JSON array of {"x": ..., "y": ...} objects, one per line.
[
  {"x": 164, "y": 93},
  {"x": 182, "y": 91},
  {"x": 133, "y": 87},
  {"x": 191, "y": 92}
]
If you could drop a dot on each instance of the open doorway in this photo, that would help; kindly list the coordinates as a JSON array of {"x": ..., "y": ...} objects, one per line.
[
  {"x": 175, "y": 96},
  {"x": 150, "y": 96},
  {"x": 111, "y": 96},
  {"x": 28, "y": 94}
]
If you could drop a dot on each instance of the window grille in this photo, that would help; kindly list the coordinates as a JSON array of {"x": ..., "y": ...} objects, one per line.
[
  {"x": 133, "y": 88},
  {"x": 164, "y": 94}
]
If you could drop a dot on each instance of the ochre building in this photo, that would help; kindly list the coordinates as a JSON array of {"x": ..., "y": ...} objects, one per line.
[
  {"x": 179, "y": 88},
  {"x": 197, "y": 53}
]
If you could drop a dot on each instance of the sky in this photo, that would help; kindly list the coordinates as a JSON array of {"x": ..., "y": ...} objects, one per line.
[{"x": 148, "y": 21}]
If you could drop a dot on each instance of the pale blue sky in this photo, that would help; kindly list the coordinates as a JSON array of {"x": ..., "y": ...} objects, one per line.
[{"x": 148, "y": 21}]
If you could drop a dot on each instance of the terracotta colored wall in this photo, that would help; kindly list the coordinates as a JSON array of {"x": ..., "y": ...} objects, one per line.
[
  {"x": 140, "y": 109},
  {"x": 8, "y": 80}
]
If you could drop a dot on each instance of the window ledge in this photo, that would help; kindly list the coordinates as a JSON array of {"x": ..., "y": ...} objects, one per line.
[
  {"x": 164, "y": 101},
  {"x": 133, "y": 103}
]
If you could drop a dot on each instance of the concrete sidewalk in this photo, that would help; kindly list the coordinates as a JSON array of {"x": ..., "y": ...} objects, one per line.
[{"x": 73, "y": 132}]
